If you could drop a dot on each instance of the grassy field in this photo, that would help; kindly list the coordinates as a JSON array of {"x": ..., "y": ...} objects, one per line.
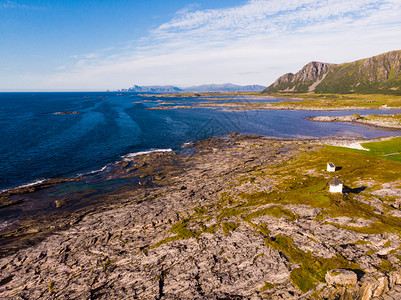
[
  {"x": 311, "y": 101},
  {"x": 386, "y": 150},
  {"x": 338, "y": 100}
]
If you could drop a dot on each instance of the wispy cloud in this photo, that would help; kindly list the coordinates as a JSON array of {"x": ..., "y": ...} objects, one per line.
[
  {"x": 254, "y": 42},
  {"x": 13, "y": 4}
]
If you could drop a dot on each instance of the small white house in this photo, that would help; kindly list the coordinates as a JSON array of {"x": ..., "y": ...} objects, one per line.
[
  {"x": 331, "y": 167},
  {"x": 336, "y": 186}
]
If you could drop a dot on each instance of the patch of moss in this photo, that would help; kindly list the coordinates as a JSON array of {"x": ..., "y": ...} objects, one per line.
[
  {"x": 361, "y": 242},
  {"x": 227, "y": 227},
  {"x": 312, "y": 269},
  {"x": 385, "y": 266},
  {"x": 275, "y": 211},
  {"x": 51, "y": 286},
  {"x": 230, "y": 212},
  {"x": 182, "y": 231},
  {"x": 268, "y": 286},
  {"x": 210, "y": 229},
  {"x": 225, "y": 199},
  {"x": 370, "y": 252},
  {"x": 200, "y": 210},
  {"x": 246, "y": 179}
]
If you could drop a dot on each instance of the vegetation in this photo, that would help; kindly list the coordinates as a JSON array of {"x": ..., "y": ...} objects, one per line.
[
  {"x": 312, "y": 269},
  {"x": 389, "y": 150},
  {"x": 330, "y": 101},
  {"x": 376, "y": 75},
  {"x": 394, "y": 119},
  {"x": 268, "y": 286},
  {"x": 303, "y": 180},
  {"x": 384, "y": 150},
  {"x": 312, "y": 101},
  {"x": 228, "y": 227}
]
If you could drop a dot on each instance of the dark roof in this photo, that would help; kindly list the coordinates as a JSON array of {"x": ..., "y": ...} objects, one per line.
[
  {"x": 336, "y": 182},
  {"x": 331, "y": 165}
]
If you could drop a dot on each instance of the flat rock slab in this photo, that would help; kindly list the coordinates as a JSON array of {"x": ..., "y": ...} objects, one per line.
[{"x": 341, "y": 277}]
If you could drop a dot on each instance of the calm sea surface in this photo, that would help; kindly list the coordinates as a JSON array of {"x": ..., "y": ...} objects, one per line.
[{"x": 36, "y": 143}]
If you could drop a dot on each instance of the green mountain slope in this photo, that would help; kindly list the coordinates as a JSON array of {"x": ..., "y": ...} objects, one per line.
[{"x": 375, "y": 75}]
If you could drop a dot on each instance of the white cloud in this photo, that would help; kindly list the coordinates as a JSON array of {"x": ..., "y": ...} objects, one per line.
[
  {"x": 12, "y": 4},
  {"x": 251, "y": 43}
]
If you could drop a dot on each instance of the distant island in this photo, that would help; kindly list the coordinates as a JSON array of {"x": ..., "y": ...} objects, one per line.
[{"x": 227, "y": 87}]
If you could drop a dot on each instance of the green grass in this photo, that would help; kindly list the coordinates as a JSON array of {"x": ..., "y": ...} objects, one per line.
[
  {"x": 274, "y": 211},
  {"x": 268, "y": 286},
  {"x": 312, "y": 269},
  {"x": 227, "y": 227},
  {"x": 382, "y": 149},
  {"x": 313, "y": 190},
  {"x": 333, "y": 101},
  {"x": 230, "y": 212}
]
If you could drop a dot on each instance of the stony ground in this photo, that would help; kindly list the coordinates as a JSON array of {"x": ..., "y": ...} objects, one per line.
[
  {"x": 204, "y": 227},
  {"x": 386, "y": 121}
]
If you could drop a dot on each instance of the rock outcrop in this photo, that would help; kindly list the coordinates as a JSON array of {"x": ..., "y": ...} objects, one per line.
[{"x": 341, "y": 277}]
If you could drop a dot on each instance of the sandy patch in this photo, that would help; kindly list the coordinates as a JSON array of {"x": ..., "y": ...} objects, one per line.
[{"x": 357, "y": 146}]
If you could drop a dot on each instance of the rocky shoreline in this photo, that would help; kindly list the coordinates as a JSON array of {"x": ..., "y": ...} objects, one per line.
[
  {"x": 184, "y": 231},
  {"x": 274, "y": 106},
  {"x": 390, "y": 122}
]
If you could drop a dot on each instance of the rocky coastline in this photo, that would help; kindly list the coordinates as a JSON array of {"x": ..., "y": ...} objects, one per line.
[
  {"x": 201, "y": 226},
  {"x": 385, "y": 121},
  {"x": 288, "y": 106}
]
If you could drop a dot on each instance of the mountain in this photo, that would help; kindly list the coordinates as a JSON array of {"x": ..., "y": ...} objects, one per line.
[
  {"x": 227, "y": 87},
  {"x": 153, "y": 89},
  {"x": 380, "y": 74}
]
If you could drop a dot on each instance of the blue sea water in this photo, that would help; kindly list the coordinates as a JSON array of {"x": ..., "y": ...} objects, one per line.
[{"x": 36, "y": 143}]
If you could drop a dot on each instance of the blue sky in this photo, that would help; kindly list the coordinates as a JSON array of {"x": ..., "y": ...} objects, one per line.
[{"x": 99, "y": 45}]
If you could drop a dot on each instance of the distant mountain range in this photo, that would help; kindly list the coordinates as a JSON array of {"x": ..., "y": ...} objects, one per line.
[
  {"x": 227, "y": 87},
  {"x": 380, "y": 74},
  {"x": 153, "y": 89}
]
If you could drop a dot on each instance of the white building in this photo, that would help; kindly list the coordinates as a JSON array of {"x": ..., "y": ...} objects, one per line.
[
  {"x": 336, "y": 186},
  {"x": 331, "y": 167}
]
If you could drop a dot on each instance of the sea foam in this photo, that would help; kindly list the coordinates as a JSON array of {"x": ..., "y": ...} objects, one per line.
[{"x": 129, "y": 156}]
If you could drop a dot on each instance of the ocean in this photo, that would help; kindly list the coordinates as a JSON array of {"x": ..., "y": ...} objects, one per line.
[{"x": 53, "y": 135}]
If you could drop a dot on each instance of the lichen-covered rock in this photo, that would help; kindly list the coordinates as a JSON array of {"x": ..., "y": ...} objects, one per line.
[{"x": 341, "y": 277}]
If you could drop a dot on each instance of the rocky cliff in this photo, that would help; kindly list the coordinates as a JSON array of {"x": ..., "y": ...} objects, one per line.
[{"x": 375, "y": 75}]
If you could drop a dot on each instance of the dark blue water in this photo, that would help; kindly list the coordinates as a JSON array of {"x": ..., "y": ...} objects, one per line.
[{"x": 36, "y": 143}]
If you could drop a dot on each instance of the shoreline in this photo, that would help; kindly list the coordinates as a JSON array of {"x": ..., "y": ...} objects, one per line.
[
  {"x": 213, "y": 211},
  {"x": 290, "y": 101},
  {"x": 141, "y": 164},
  {"x": 383, "y": 121}
]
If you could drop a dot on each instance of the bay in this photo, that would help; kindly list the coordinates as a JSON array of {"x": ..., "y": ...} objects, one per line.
[{"x": 50, "y": 135}]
